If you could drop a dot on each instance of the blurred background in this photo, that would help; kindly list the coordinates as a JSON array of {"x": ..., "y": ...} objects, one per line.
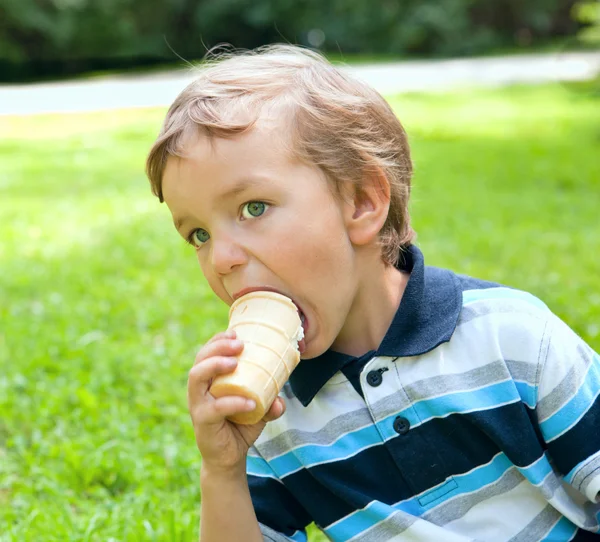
[
  {"x": 48, "y": 38},
  {"x": 103, "y": 306}
]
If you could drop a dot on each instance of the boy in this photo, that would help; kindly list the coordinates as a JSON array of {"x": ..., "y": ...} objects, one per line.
[{"x": 428, "y": 406}]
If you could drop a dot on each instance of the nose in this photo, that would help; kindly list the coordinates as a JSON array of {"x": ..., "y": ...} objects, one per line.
[{"x": 226, "y": 255}]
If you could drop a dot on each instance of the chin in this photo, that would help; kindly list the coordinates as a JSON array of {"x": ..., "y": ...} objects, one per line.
[{"x": 314, "y": 350}]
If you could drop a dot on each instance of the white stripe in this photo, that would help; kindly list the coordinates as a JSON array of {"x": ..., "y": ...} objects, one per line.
[
  {"x": 336, "y": 458},
  {"x": 423, "y": 531},
  {"x": 504, "y": 294},
  {"x": 487, "y": 520},
  {"x": 476, "y": 344},
  {"x": 573, "y": 505},
  {"x": 593, "y": 490},
  {"x": 335, "y": 399},
  {"x": 562, "y": 357}
]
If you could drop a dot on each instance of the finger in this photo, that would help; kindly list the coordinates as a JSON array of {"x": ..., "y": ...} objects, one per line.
[
  {"x": 227, "y": 334},
  {"x": 276, "y": 411},
  {"x": 220, "y": 347},
  {"x": 219, "y": 409},
  {"x": 202, "y": 373}
]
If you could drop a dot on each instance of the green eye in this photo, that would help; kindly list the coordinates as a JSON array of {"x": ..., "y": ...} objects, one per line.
[
  {"x": 254, "y": 209},
  {"x": 199, "y": 237}
]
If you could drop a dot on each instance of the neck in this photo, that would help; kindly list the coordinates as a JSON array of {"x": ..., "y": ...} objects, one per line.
[{"x": 375, "y": 304}]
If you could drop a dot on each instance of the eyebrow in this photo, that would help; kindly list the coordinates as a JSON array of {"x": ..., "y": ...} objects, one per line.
[
  {"x": 240, "y": 187},
  {"x": 237, "y": 189}
]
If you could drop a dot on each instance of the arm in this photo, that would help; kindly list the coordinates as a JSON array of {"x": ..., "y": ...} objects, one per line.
[
  {"x": 568, "y": 408},
  {"x": 227, "y": 513},
  {"x": 220, "y": 495},
  {"x": 281, "y": 516},
  {"x": 227, "y": 509}
]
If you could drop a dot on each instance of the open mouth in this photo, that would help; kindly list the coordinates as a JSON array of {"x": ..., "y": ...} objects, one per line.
[{"x": 304, "y": 321}]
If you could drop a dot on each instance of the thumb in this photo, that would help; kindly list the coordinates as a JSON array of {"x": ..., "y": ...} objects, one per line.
[
  {"x": 250, "y": 433},
  {"x": 276, "y": 411}
]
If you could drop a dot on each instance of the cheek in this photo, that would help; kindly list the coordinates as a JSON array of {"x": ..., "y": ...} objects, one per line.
[
  {"x": 316, "y": 249},
  {"x": 319, "y": 267},
  {"x": 329, "y": 247}
]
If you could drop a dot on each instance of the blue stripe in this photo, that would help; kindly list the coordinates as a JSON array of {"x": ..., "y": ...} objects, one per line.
[
  {"x": 467, "y": 401},
  {"x": 471, "y": 296},
  {"x": 257, "y": 466},
  {"x": 569, "y": 477},
  {"x": 386, "y": 426},
  {"x": 484, "y": 475},
  {"x": 352, "y": 443},
  {"x": 579, "y": 404},
  {"x": 299, "y": 536},
  {"x": 537, "y": 472},
  {"x": 563, "y": 531},
  {"x": 527, "y": 392},
  {"x": 467, "y": 483},
  {"x": 364, "y": 519},
  {"x": 360, "y": 521},
  {"x": 313, "y": 454},
  {"x": 453, "y": 403}
]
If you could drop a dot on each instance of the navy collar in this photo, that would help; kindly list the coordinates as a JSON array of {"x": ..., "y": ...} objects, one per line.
[{"x": 426, "y": 318}]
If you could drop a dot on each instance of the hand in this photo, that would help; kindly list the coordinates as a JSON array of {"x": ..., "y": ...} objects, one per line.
[{"x": 223, "y": 444}]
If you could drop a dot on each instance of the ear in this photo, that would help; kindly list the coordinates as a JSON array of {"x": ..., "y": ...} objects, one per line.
[{"x": 366, "y": 206}]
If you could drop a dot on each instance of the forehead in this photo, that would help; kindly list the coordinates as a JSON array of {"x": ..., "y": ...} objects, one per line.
[{"x": 211, "y": 163}]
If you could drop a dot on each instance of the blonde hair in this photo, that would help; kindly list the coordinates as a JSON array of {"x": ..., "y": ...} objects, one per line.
[{"x": 339, "y": 124}]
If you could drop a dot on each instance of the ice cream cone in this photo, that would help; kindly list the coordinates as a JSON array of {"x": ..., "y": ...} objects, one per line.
[{"x": 269, "y": 325}]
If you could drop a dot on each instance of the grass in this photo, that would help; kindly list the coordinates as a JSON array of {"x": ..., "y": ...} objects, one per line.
[{"x": 102, "y": 306}]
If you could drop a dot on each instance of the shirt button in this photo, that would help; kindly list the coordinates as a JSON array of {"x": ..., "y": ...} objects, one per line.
[
  {"x": 401, "y": 425},
  {"x": 374, "y": 378}
]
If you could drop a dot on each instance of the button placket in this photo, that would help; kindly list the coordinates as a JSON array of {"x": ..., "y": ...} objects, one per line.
[
  {"x": 375, "y": 378},
  {"x": 378, "y": 384},
  {"x": 401, "y": 425},
  {"x": 398, "y": 423}
]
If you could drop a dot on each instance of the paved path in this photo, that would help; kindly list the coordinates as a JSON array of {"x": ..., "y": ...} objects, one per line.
[{"x": 159, "y": 89}]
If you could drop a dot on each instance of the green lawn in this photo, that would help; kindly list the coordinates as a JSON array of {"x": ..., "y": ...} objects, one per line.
[{"x": 102, "y": 305}]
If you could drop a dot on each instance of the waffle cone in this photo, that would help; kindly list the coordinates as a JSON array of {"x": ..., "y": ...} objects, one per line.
[{"x": 269, "y": 325}]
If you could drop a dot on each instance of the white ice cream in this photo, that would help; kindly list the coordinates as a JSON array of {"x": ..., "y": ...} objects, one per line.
[{"x": 298, "y": 336}]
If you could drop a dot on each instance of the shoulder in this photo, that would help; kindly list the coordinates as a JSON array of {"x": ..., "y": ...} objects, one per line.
[
  {"x": 521, "y": 326},
  {"x": 483, "y": 296},
  {"x": 508, "y": 324},
  {"x": 500, "y": 305},
  {"x": 489, "y": 308}
]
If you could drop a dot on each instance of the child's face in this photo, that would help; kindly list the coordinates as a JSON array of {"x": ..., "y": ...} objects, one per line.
[{"x": 263, "y": 220}]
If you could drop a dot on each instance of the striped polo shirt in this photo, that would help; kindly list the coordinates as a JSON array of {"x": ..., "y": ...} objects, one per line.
[{"x": 477, "y": 419}]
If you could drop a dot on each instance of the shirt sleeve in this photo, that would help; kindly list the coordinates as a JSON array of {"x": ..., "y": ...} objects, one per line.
[
  {"x": 568, "y": 406},
  {"x": 281, "y": 517}
]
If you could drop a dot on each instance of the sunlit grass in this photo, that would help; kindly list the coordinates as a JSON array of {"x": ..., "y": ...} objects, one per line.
[{"x": 102, "y": 306}]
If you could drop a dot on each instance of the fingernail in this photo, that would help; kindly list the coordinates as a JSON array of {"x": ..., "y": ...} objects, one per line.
[
  {"x": 250, "y": 404},
  {"x": 230, "y": 362},
  {"x": 236, "y": 343}
]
